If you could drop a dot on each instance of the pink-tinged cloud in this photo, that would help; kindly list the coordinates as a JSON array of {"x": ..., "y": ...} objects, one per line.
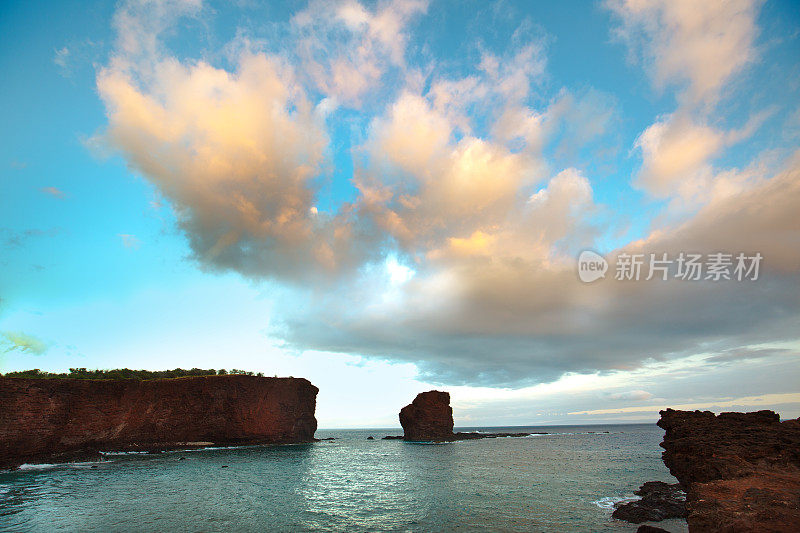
[
  {"x": 458, "y": 251},
  {"x": 54, "y": 192}
]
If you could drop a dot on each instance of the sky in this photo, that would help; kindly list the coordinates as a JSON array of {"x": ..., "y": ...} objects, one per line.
[{"x": 390, "y": 197}]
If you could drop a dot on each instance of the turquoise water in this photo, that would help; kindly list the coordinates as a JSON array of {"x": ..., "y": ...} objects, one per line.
[{"x": 566, "y": 481}]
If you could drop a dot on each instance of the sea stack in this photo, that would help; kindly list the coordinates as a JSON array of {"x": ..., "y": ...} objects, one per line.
[
  {"x": 428, "y": 418},
  {"x": 43, "y": 420},
  {"x": 741, "y": 470}
]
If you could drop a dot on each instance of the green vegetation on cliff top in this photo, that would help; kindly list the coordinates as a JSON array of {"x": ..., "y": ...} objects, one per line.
[{"x": 126, "y": 373}]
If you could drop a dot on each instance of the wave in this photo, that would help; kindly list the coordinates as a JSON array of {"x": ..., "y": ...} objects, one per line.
[
  {"x": 584, "y": 433},
  {"x": 37, "y": 466},
  {"x": 88, "y": 464},
  {"x": 48, "y": 466},
  {"x": 136, "y": 452},
  {"x": 608, "y": 503}
]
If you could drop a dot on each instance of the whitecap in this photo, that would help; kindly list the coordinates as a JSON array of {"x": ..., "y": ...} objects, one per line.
[
  {"x": 608, "y": 503},
  {"x": 124, "y": 453},
  {"x": 88, "y": 464},
  {"x": 37, "y": 466}
]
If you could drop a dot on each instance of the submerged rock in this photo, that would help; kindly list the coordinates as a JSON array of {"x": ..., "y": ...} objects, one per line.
[
  {"x": 471, "y": 435},
  {"x": 741, "y": 470},
  {"x": 659, "y": 501}
]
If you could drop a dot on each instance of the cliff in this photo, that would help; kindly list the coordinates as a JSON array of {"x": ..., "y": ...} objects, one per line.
[
  {"x": 428, "y": 418},
  {"x": 741, "y": 470},
  {"x": 46, "y": 419}
]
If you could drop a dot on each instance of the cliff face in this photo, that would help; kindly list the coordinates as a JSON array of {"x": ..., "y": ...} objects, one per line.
[
  {"x": 742, "y": 470},
  {"x": 428, "y": 418},
  {"x": 45, "y": 418}
]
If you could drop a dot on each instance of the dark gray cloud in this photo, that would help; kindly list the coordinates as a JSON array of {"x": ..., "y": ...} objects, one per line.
[{"x": 746, "y": 354}]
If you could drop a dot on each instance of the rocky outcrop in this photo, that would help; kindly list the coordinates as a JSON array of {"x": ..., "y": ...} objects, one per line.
[
  {"x": 429, "y": 418},
  {"x": 741, "y": 470},
  {"x": 68, "y": 419},
  {"x": 659, "y": 501}
]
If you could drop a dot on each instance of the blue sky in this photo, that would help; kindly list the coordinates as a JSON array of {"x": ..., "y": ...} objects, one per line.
[{"x": 387, "y": 197}]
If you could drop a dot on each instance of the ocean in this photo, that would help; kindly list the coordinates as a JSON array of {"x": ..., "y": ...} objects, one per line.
[{"x": 567, "y": 480}]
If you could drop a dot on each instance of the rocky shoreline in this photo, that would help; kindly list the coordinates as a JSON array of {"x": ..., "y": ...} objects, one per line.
[
  {"x": 659, "y": 501},
  {"x": 740, "y": 471}
]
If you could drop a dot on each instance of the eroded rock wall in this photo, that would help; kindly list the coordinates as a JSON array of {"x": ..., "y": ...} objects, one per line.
[{"x": 41, "y": 418}]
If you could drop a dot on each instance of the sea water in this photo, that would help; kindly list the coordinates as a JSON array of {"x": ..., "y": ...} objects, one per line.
[{"x": 567, "y": 480}]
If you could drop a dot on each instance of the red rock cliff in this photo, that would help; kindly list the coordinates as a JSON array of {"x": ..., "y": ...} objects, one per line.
[
  {"x": 45, "y": 418},
  {"x": 742, "y": 470}
]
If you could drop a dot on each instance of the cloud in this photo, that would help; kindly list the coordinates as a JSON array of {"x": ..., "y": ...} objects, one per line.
[
  {"x": 141, "y": 23},
  {"x": 701, "y": 44},
  {"x": 700, "y": 48},
  {"x": 758, "y": 218},
  {"x": 346, "y": 48},
  {"x": 17, "y": 238},
  {"x": 497, "y": 310},
  {"x": 234, "y": 152},
  {"x": 61, "y": 59},
  {"x": 740, "y": 354},
  {"x": 677, "y": 153},
  {"x": 443, "y": 189},
  {"x": 458, "y": 251},
  {"x": 630, "y": 395},
  {"x": 129, "y": 241},
  {"x": 22, "y": 342},
  {"x": 54, "y": 192},
  {"x": 749, "y": 402}
]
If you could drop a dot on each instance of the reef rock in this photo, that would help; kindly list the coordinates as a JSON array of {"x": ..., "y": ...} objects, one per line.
[
  {"x": 73, "y": 419},
  {"x": 650, "y": 529},
  {"x": 741, "y": 470},
  {"x": 659, "y": 501}
]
